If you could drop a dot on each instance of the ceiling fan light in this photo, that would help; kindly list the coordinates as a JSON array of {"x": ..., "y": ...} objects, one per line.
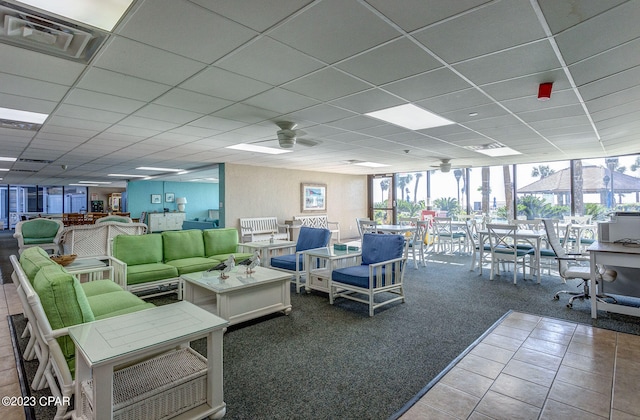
[{"x": 287, "y": 143}]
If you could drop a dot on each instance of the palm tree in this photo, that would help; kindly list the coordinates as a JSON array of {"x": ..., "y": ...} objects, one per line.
[
  {"x": 403, "y": 181},
  {"x": 486, "y": 189},
  {"x": 415, "y": 187},
  {"x": 636, "y": 165},
  {"x": 508, "y": 189},
  {"x": 542, "y": 171},
  {"x": 384, "y": 186}
]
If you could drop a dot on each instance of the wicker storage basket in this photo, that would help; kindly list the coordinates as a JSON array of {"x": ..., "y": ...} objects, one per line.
[
  {"x": 156, "y": 389},
  {"x": 64, "y": 260}
]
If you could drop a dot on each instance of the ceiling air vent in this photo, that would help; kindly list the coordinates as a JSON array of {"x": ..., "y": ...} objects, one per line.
[
  {"x": 37, "y": 31},
  {"x": 35, "y": 160}
]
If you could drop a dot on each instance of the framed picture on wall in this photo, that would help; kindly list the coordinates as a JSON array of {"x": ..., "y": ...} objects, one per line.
[
  {"x": 156, "y": 199},
  {"x": 313, "y": 197},
  {"x": 169, "y": 197}
]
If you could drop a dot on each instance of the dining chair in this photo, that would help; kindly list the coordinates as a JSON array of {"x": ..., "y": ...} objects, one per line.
[
  {"x": 503, "y": 241},
  {"x": 446, "y": 235},
  {"x": 368, "y": 226},
  {"x": 358, "y": 224},
  {"x": 471, "y": 228},
  {"x": 575, "y": 266}
]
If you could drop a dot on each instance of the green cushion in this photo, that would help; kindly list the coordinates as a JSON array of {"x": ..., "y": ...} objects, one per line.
[
  {"x": 138, "y": 249},
  {"x": 40, "y": 228},
  {"x": 38, "y": 240},
  {"x": 181, "y": 244},
  {"x": 220, "y": 241},
  {"x": 145, "y": 305},
  {"x": 143, "y": 273},
  {"x": 239, "y": 256},
  {"x": 105, "y": 304},
  {"x": 191, "y": 265},
  {"x": 99, "y": 287},
  {"x": 114, "y": 218},
  {"x": 32, "y": 259},
  {"x": 63, "y": 301}
]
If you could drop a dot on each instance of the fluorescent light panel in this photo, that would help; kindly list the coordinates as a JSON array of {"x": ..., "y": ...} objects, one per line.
[
  {"x": 151, "y": 168},
  {"x": 4, "y": 169},
  {"x": 410, "y": 116},
  {"x": 84, "y": 185},
  {"x": 258, "y": 149},
  {"x": 103, "y": 14},
  {"x": 128, "y": 176},
  {"x": 94, "y": 182},
  {"x": 499, "y": 151},
  {"x": 22, "y": 116},
  {"x": 371, "y": 164},
  {"x": 7, "y": 159}
]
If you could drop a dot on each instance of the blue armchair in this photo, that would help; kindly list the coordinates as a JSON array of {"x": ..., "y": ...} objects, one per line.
[
  {"x": 384, "y": 258},
  {"x": 309, "y": 238}
]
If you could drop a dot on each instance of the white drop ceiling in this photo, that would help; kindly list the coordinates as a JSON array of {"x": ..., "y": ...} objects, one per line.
[{"x": 177, "y": 81}]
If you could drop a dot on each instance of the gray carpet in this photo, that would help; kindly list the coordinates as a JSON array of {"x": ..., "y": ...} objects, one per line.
[{"x": 329, "y": 362}]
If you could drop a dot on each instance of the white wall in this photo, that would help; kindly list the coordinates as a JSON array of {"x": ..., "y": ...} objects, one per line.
[{"x": 253, "y": 191}]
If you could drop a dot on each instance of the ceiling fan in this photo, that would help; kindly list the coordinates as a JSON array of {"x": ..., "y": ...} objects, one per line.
[
  {"x": 287, "y": 137},
  {"x": 445, "y": 165}
]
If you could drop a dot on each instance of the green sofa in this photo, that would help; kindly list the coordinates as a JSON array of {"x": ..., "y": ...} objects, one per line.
[
  {"x": 53, "y": 299},
  {"x": 157, "y": 260},
  {"x": 68, "y": 302}
]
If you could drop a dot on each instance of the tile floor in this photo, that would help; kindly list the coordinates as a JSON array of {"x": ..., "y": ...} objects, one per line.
[
  {"x": 532, "y": 367},
  {"x": 9, "y": 385},
  {"x": 528, "y": 367}
]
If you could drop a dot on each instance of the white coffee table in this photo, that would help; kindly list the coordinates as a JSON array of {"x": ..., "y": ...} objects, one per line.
[
  {"x": 268, "y": 249},
  {"x": 242, "y": 296}
]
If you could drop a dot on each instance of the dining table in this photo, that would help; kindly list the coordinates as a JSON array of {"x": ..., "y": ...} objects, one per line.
[
  {"x": 523, "y": 236},
  {"x": 395, "y": 229}
]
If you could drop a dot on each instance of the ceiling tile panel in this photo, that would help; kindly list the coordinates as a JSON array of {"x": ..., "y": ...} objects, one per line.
[
  {"x": 281, "y": 101},
  {"x": 38, "y": 66},
  {"x": 173, "y": 25},
  {"x": 321, "y": 33},
  {"x": 427, "y": 85},
  {"x": 367, "y": 101},
  {"x": 270, "y": 61},
  {"x": 532, "y": 58},
  {"x": 460, "y": 38},
  {"x": 380, "y": 65},
  {"x": 600, "y": 33},
  {"x": 145, "y": 62},
  {"x": 224, "y": 84},
  {"x": 105, "y": 81},
  {"x": 326, "y": 84},
  {"x": 414, "y": 14}
]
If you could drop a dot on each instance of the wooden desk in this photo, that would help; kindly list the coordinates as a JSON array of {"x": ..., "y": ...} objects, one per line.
[
  {"x": 612, "y": 255},
  {"x": 103, "y": 345}
]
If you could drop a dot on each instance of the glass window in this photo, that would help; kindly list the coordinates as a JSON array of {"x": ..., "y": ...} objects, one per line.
[
  {"x": 411, "y": 194},
  {"x": 491, "y": 192},
  {"x": 543, "y": 190},
  {"x": 75, "y": 199},
  {"x": 610, "y": 184}
]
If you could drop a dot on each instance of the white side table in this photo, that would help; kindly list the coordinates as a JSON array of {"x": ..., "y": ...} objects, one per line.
[
  {"x": 102, "y": 345},
  {"x": 269, "y": 249},
  {"x": 327, "y": 260}
]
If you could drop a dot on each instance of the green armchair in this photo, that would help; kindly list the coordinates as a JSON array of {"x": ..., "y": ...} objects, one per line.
[{"x": 45, "y": 233}]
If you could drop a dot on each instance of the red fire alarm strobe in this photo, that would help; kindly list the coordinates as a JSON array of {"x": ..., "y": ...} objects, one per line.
[{"x": 544, "y": 91}]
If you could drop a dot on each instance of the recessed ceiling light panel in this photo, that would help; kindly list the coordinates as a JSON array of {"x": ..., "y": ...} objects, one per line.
[
  {"x": 258, "y": 149},
  {"x": 411, "y": 117}
]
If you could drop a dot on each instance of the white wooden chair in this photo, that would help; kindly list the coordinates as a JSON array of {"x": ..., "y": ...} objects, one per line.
[
  {"x": 503, "y": 241},
  {"x": 383, "y": 262}
]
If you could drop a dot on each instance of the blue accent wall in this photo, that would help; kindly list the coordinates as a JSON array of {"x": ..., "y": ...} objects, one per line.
[{"x": 200, "y": 197}]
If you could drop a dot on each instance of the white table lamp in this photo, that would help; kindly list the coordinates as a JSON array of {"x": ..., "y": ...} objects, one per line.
[{"x": 181, "y": 201}]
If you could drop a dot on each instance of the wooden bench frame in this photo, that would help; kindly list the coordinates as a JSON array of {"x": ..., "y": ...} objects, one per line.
[
  {"x": 257, "y": 229},
  {"x": 319, "y": 221}
]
